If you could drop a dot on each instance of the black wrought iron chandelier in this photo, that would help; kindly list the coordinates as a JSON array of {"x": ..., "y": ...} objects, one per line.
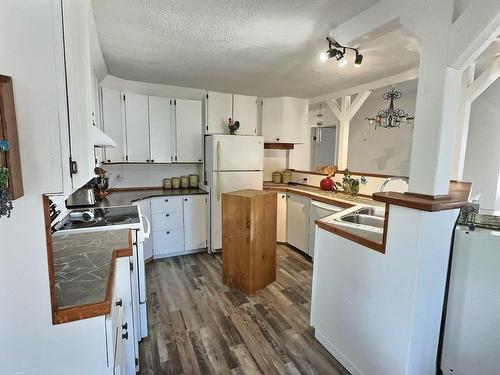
[{"x": 391, "y": 117}]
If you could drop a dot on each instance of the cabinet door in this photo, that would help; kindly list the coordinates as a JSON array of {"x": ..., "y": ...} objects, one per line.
[
  {"x": 272, "y": 119},
  {"x": 245, "y": 111},
  {"x": 219, "y": 110},
  {"x": 298, "y": 222},
  {"x": 189, "y": 130},
  {"x": 281, "y": 218},
  {"x": 195, "y": 222},
  {"x": 113, "y": 124},
  {"x": 161, "y": 127},
  {"x": 137, "y": 125},
  {"x": 168, "y": 242}
]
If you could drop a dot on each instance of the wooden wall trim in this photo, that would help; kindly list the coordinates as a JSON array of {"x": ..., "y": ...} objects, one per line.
[
  {"x": 340, "y": 173},
  {"x": 278, "y": 146},
  {"x": 92, "y": 310},
  {"x": 8, "y": 123}
]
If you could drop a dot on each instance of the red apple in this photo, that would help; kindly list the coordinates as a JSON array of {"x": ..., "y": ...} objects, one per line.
[{"x": 326, "y": 184}]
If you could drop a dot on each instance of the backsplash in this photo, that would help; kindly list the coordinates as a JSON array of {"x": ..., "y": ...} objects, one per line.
[{"x": 141, "y": 175}]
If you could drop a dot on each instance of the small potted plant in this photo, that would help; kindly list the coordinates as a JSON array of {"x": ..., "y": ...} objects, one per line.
[
  {"x": 5, "y": 200},
  {"x": 349, "y": 184}
]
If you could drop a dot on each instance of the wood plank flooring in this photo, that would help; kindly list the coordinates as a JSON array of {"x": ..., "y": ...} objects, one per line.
[{"x": 199, "y": 326}]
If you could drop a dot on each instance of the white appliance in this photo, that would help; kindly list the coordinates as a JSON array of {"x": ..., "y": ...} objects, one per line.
[
  {"x": 114, "y": 218},
  {"x": 233, "y": 162},
  {"x": 471, "y": 342},
  {"x": 317, "y": 211}
]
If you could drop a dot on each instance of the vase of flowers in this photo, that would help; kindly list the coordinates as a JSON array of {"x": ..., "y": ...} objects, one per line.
[{"x": 349, "y": 184}]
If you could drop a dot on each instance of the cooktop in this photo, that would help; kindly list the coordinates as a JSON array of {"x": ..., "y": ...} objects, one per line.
[{"x": 99, "y": 217}]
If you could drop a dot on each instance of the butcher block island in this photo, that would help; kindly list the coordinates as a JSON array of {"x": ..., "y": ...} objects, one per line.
[{"x": 249, "y": 239}]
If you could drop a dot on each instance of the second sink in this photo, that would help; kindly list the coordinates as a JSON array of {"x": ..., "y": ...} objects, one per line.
[{"x": 358, "y": 218}]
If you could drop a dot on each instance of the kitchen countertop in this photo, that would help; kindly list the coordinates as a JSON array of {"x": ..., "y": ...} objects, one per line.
[
  {"x": 372, "y": 239},
  {"x": 126, "y": 197},
  {"x": 332, "y": 197},
  {"x": 84, "y": 263}
]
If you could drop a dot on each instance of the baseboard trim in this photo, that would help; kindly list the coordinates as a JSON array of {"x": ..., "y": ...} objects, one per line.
[{"x": 337, "y": 354}]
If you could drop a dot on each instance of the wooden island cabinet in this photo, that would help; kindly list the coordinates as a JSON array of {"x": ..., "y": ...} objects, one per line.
[{"x": 249, "y": 239}]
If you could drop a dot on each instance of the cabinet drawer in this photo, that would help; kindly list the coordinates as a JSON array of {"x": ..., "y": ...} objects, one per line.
[
  {"x": 166, "y": 242},
  {"x": 166, "y": 204},
  {"x": 169, "y": 220}
]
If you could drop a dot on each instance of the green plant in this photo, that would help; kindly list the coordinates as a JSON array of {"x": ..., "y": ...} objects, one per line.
[
  {"x": 5, "y": 201},
  {"x": 349, "y": 184}
]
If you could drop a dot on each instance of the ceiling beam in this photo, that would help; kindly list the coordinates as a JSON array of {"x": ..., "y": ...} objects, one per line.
[
  {"x": 474, "y": 30},
  {"x": 483, "y": 81},
  {"x": 387, "y": 81},
  {"x": 357, "y": 103}
]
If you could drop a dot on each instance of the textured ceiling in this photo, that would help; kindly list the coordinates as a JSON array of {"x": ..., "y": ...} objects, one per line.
[{"x": 259, "y": 47}]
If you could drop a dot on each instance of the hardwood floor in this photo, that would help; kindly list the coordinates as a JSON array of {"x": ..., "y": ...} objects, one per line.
[{"x": 199, "y": 326}]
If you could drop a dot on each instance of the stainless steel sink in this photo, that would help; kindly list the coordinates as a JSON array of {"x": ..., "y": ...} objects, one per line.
[
  {"x": 358, "y": 218},
  {"x": 371, "y": 211}
]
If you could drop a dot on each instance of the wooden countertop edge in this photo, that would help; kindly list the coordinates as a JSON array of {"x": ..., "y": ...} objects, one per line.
[
  {"x": 457, "y": 197},
  {"x": 91, "y": 310},
  {"x": 311, "y": 195},
  {"x": 74, "y": 313},
  {"x": 377, "y": 246}
]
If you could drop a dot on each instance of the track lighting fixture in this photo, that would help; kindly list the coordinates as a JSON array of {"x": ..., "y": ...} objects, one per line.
[{"x": 338, "y": 51}]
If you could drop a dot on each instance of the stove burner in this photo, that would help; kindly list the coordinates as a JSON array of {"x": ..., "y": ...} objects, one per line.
[
  {"x": 84, "y": 223},
  {"x": 119, "y": 220}
]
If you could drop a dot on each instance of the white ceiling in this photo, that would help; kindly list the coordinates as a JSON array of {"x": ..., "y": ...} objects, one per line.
[{"x": 259, "y": 47}]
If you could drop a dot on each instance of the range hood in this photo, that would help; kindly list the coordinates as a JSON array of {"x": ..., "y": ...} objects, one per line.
[{"x": 100, "y": 139}]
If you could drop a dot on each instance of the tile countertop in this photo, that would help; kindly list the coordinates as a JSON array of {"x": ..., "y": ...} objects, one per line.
[
  {"x": 325, "y": 196},
  {"x": 126, "y": 197},
  {"x": 82, "y": 264}
]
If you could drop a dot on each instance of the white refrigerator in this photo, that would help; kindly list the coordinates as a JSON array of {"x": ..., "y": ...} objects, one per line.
[{"x": 233, "y": 162}]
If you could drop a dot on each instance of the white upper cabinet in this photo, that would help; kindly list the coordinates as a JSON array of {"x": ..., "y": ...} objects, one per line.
[
  {"x": 219, "y": 108},
  {"x": 189, "y": 132},
  {"x": 137, "y": 124},
  {"x": 245, "y": 111},
  {"x": 161, "y": 127},
  {"x": 113, "y": 124},
  {"x": 284, "y": 120}
]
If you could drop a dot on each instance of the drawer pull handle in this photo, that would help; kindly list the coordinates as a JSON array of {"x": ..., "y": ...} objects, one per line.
[
  {"x": 125, "y": 336},
  {"x": 125, "y": 326},
  {"x": 166, "y": 200},
  {"x": 168, "y": 232},
  {"x": 185, "y": 199},
  {"x": 119, "y": 302},
  {"x": 167, "y": 215}
]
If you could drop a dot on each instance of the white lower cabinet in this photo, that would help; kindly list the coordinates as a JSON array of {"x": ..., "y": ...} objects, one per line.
[
  {"x": 119, "y": 323},
  {"x": 281, "y": 217},
  {"x": 179, "y": 224},
  {"x": 297, "y": 225},
  {"x": 195, "y": 222}
]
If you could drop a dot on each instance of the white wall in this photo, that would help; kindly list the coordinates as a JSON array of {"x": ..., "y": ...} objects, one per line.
[
  {"x": 384, "y": 151},
  {"x": 482, "y": 158}
]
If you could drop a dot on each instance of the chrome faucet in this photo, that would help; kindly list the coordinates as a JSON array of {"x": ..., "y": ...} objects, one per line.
[{"x": 395, "y": 178}]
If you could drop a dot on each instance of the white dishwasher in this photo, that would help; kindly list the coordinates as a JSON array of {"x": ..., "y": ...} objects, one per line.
[{"x": 318, "y": 210}]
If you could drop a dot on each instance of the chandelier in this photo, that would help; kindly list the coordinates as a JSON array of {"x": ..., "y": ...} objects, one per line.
[{"x": 391, "y": 117}]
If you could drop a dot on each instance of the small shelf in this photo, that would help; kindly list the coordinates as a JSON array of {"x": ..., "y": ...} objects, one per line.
[
  {"x": 8, "y": 131},
  {"x": 149, "y": 163}
]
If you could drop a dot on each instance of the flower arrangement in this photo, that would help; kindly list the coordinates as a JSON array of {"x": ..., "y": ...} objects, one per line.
[{"x": 5, "y": 200}]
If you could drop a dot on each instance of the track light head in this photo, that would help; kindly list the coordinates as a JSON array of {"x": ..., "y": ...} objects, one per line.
[{"x": 359, "y": 59}]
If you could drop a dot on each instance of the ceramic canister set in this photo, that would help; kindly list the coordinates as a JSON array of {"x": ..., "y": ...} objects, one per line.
[{"x": 182, "y": 182}]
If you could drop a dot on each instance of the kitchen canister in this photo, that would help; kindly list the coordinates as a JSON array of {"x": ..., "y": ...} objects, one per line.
[
  {"x": 286, "y": 176},
  {"x": 277, "y": 177},
  {"x": 176, "y": 182},
  {"x": 194, "y": 180},
  {"x": 167, "y": 183},
  {"x": 184, "y": 182}
]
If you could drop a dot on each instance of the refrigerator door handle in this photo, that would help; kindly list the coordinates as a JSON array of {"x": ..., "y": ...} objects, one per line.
[
  {"x": 217, "y": 188},
  {"x": 218, "y": 156}
]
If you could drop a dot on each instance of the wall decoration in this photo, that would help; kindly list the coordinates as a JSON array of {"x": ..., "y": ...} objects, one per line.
[{"x": 11, "y": 182}]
